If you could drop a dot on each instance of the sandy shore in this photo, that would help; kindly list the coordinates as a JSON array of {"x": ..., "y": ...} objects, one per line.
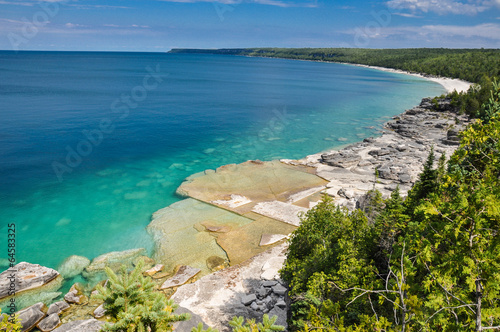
[{"x": 450, "y": 84}]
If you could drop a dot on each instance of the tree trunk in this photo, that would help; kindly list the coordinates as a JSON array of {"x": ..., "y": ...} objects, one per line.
[{"x": 479, "y": 296}]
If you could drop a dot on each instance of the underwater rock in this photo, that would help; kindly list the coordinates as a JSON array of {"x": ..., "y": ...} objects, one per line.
[
  {"x": 114, "y": 260},
  {"x": 73, "y": 266}
]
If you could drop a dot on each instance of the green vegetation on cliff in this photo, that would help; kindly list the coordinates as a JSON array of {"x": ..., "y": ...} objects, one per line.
[{"x": 427, "y": 263}]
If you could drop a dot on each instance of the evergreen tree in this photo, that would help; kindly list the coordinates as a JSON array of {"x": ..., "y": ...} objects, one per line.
[{"x": 134, "y": 305}]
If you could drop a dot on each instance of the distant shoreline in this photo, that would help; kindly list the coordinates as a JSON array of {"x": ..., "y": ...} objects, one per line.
[{"x": 450, "y": 84}]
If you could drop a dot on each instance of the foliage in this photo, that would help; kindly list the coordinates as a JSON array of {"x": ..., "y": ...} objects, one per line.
[
  {"x": 8, "y": 324},
  {"x": 134, "y": 305},
  {"x": 429, "y": 263},
  {"x": 240, "y": 325}
]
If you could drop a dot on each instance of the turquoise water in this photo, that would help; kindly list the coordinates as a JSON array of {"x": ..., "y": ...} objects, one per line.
[{"x": 136, "y": 137}]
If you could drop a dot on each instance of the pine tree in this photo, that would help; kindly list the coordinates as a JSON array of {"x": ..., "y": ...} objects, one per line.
[
  {"x": 131, "y": 300},
  {"x": 239, "y": 325}
]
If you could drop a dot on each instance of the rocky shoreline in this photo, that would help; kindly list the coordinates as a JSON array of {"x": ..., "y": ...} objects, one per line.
[{"x": 252, "y": 287}]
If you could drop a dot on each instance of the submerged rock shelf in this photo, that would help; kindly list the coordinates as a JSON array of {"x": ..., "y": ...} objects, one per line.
[{"x": 228, "y": 212}]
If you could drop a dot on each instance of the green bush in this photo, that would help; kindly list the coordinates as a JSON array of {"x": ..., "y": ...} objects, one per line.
[{"x": 133, "y": 304}]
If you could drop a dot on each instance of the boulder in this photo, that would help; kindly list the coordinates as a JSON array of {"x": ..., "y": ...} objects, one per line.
[
  {"x": 188, "y": 325},
  {"x": 99, "y": 312},
  {"x": 25, "y": 276},
  {"x": 248, "y": 299},
  {"x": 155, "y": 269},
  {"x": 282, "y": 316},
  {"x": 279, "y": 290},
  {"x": 75, "y": 295},
  {"x": 181, "y": 277},
  {"x": 57, "y": 307},
  {"x": 269, "y": 283},
  {"x": 385, "y": 172},
  {"x": 31, "y": 316},
  {"x": 73, "y": 266},
  {"x": 49, "y": 323},
  {"x": 89, "y": 325}
]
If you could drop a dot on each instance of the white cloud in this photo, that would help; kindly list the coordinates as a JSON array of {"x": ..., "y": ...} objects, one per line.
[
  {"x": 278, "y": 3},
  {"x": 487, "y": 31},
  {"x": 468, "y": 7},
  {"x": 407, "y": 15}
]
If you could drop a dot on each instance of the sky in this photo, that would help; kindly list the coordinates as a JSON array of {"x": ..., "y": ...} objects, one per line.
[{"x": 160, "y": 25}]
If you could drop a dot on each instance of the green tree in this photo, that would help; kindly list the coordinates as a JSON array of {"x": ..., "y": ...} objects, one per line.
[
  {"x": 134, "y": 305},
  {"x": 9, "y": 324},
  {"x": 239, "y": 324}
]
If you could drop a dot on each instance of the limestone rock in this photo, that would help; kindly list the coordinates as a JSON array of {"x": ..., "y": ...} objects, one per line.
[
  {"x": 57, "y": 307},
  {"x": 268, "y": 239},
  {"x": 75, "y": 295},
  {"x": 49, "y": 323},
  {"x": 187, "y": 325},
  {"x": 155, "y": 269},
  {"x": 99, "y": 312},
  {"x": 89, "y": 325},
  {"x": 281, "y": 304},
  {"x": 181, "y": 277},
  {"x": 31, "y": 316},
  {"x": 279, "y": 290},
  {"x": 281, "y": 211},
  {"x": 269, "y": 283},
  {"x": 73, "y": 266},
  {"x": 344, "y": 159},
  {"x": 281, "y": 313},
  {"x": 248, "y": 299},
  {"x": 27, "y": 276}
]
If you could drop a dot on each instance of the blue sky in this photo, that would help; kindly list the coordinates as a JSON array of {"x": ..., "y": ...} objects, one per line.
[{"x": 159, "y": 25}]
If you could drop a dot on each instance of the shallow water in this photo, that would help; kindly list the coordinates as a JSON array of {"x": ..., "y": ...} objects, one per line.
[{"x": 203, "y": 111}]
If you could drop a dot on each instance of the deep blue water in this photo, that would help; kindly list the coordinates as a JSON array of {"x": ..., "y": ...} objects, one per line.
[{"x": 91, "y": 144}]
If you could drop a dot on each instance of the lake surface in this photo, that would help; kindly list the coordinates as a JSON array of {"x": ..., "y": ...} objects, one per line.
[{"x": 91, "y": 144}]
